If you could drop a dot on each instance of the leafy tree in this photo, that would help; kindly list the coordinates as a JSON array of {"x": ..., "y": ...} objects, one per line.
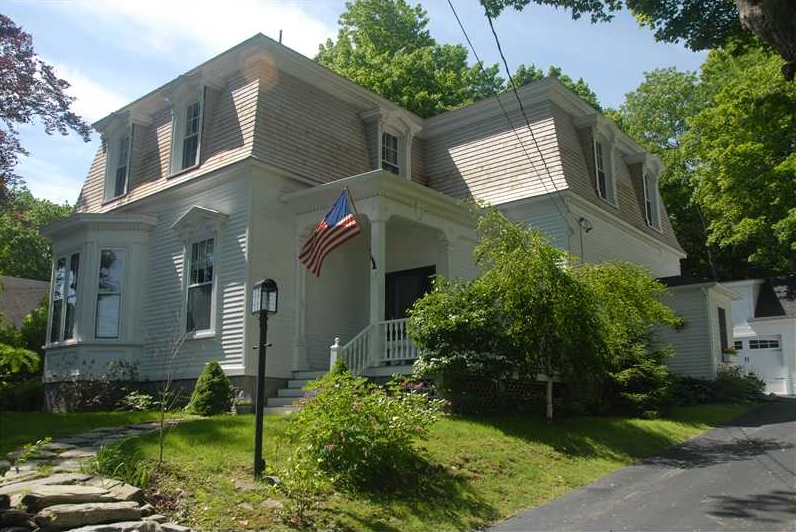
[
  {"x": 24, "y": 252},
  {"x": 29, "y": 89},
  {"x": 385, "y": 46},
  {"x": 701, "y": 24},
  {"x": 527, "y": 74},
  {"x": 744, "y": 148}
]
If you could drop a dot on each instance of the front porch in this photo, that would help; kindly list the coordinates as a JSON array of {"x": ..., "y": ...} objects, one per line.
[{"x": 354, "y": 310}]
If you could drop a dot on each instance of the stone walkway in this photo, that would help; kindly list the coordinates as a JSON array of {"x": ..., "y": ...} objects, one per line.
[{"x": 66, "y": 499}]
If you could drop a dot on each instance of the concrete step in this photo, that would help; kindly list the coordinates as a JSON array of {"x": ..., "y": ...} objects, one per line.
[
  {"x": 297, "y": 383},
  {"x": 308, "y": 374},
  {"x": 294, "y": 392},
  {"x": 282, "y": 401}
]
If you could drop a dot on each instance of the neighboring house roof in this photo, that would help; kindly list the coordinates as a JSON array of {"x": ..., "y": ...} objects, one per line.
[
  {"x": 20, "y": 297},
  {"x": 777, "y": 298},
  {"x": 680, "y": 281}
]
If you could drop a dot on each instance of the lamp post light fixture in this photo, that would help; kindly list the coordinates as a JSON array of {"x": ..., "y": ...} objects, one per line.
[{"x": 265, "y": 296}]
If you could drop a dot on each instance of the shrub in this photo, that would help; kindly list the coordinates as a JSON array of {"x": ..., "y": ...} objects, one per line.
[
  {"x": 358, "y": 433},
  {"x": 731, "y": 385},
  {"x": 212, "y": 393},
  {"x": 686, "y": 391},
  {"x": 27, "y": 395},
  {"x": 138, "y": 401},
  {"x": 90, "y": 392}
]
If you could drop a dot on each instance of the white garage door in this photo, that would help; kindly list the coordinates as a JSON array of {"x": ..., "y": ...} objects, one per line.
[{"x": 763, "y": 357}]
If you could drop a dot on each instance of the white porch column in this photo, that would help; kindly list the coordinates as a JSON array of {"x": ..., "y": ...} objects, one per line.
[
  {"x": 300, "y": 339},
  {"x": 378, "y": 248}
]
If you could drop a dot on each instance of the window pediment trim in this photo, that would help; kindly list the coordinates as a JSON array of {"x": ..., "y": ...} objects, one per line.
[{"x": 199, "y": 221}]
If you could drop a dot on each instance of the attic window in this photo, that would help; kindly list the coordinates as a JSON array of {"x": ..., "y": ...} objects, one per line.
[
  {"x": 190, "y": 142},
  {"x": 651, "y": 202},
  {"x": 389, "y": 153},
  {"x": 118, "y": 165},
  {"x": 187, "y": 128},
  {"x": 603, "y": 171}
]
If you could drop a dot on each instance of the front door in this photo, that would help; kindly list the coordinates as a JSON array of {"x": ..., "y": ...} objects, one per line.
[{"x": 405, "y": 287}]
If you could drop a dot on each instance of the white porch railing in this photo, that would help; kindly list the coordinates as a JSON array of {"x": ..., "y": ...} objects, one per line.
[{"x": 391, "y": 341}]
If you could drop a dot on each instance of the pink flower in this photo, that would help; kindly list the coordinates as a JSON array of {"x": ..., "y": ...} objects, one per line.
[{"x": 329, "y": 446}]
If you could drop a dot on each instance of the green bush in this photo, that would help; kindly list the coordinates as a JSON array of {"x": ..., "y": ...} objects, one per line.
[
  {"x": 358, "y": 433},
  {"x": 212, "y": 393},
  {"x": 27, "y": 395},
  {"x": 733, "y": 386},
  {"x": 686, "y": 391},
  {"x": 138, "y": 401}
]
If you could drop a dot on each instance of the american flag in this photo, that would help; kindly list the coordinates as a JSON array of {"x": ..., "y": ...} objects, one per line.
[{"x": 338, "y": 226}]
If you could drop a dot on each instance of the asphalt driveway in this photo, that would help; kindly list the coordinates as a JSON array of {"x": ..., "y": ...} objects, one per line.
[{"x": 737, "y": 477}]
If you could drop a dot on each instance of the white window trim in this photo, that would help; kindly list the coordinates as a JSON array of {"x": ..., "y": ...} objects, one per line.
[
  {"x": 186, "y": 283},
  {"x": 654, "y": 198},
  {"x": 182, "y": 99},
  {"x": 67, "y": 255},
  {"x": 399, "y": 163},
  {"x": 112, "y": 143}
]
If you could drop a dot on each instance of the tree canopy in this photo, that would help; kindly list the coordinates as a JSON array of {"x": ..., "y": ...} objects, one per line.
[
  {"x": 700, "y": 24},
  {"x": 24, "y": 252},
  {"x": 29, "y": 90},
  {"x": 726, "y": 136},
  {"x": 385, "y": 46}
]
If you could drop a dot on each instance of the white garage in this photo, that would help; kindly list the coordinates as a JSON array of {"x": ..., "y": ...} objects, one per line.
[
  {"x": 764, "y": 357},
  {"x": 764, "y": 330}
]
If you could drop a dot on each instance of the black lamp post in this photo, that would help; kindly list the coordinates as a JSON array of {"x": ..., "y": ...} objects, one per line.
[{"x": 264, "y": 302}]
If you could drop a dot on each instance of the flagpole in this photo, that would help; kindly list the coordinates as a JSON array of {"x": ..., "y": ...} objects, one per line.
[{"x": 356, "y": 215}]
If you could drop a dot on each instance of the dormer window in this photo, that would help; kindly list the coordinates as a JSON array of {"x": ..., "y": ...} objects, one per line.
[
  {"x": 651, "y": 202},
  {"x": 186, "y": 128},
  {"x": 118, "y": 165},
  {"x": 389, "y": 153},
  {"x": 190, "y": 142},
  {"x": 603, "y": 171}
]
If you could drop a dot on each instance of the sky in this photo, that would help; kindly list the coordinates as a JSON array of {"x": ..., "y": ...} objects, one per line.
[{"x": 114, "y": 51}]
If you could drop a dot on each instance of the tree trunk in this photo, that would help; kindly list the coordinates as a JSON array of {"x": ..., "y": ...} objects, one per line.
[
  {"x": 774, "y": 22},
  {"x": 549, "y": 409}
]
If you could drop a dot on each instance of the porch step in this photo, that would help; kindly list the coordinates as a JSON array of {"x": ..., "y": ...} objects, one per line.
[
  {"x": 297, "y": 383},
  {"x": 308, "y": 374},
  {"x": 293, "y": 392},
  {"x": 282, "y": 401}
]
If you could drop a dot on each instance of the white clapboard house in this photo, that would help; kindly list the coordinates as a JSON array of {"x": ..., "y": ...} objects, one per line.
[{"x": 215, "y": 180}]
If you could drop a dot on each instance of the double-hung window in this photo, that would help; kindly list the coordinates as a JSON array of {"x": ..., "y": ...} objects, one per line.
[
  {"x": 109, "y": 294},
  {"x": 651, "y": 207},
  {"x": 200, "y": 286},
  {"x": 122, "y": 166},
  {"x": 190, "y": 139},
  {"x": 64, "y": 298},
  {"x": 389, "y": 153}
]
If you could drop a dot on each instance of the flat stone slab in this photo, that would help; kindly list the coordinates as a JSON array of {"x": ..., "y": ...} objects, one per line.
[
  {"x": 58, "y": 446},
  {"x": 26, "y": 485},
  {"x": 79, "y": 452},
  {"x": 49, "y": 495},
  {"x": 125, "y": 526},
  {"x": 12, "y": 477},
  {"x": 126, "y": 492},
  {"x": 174, "y": 527},
  {"x": 14, "y": 517},
  {"x": 61, "y": 516},
  {"x": 69, "y": 465}
]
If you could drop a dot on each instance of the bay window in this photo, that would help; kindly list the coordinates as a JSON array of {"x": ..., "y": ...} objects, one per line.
[
  {"x": 109, "y": 294},
  {"x": 199, "y": 306}
]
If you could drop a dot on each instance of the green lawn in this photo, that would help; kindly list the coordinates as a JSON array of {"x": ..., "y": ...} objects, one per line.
[
  {"x": 19, "y": 428},
  {"x": 473, "y": 471}
]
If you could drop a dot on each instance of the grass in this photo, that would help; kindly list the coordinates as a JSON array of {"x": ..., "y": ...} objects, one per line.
[
  {"x": 472, "y": 471},
  {"x": 19, "y": 428}
]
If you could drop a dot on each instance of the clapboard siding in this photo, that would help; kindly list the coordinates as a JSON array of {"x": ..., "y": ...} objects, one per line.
[
  {"x": 544, "y": 215},
  {"x": 691, "y": 343},
  {"x": 577, "y": 157},
  {"x": 485, "y": 160},
  {"x": 309, "y": 132},
  {"x": 163, "y": 310},
  {"x": 418, "y": 162}
]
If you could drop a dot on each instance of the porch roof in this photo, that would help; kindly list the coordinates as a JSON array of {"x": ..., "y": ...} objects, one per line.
[{"x": 382, "y": 185}]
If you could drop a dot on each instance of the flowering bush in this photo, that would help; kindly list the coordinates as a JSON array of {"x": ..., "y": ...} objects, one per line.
[{"x": 358, "y": 432}]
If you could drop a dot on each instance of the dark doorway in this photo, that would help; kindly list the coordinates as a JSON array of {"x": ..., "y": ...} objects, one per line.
[{"x": 405, "y": 287}]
